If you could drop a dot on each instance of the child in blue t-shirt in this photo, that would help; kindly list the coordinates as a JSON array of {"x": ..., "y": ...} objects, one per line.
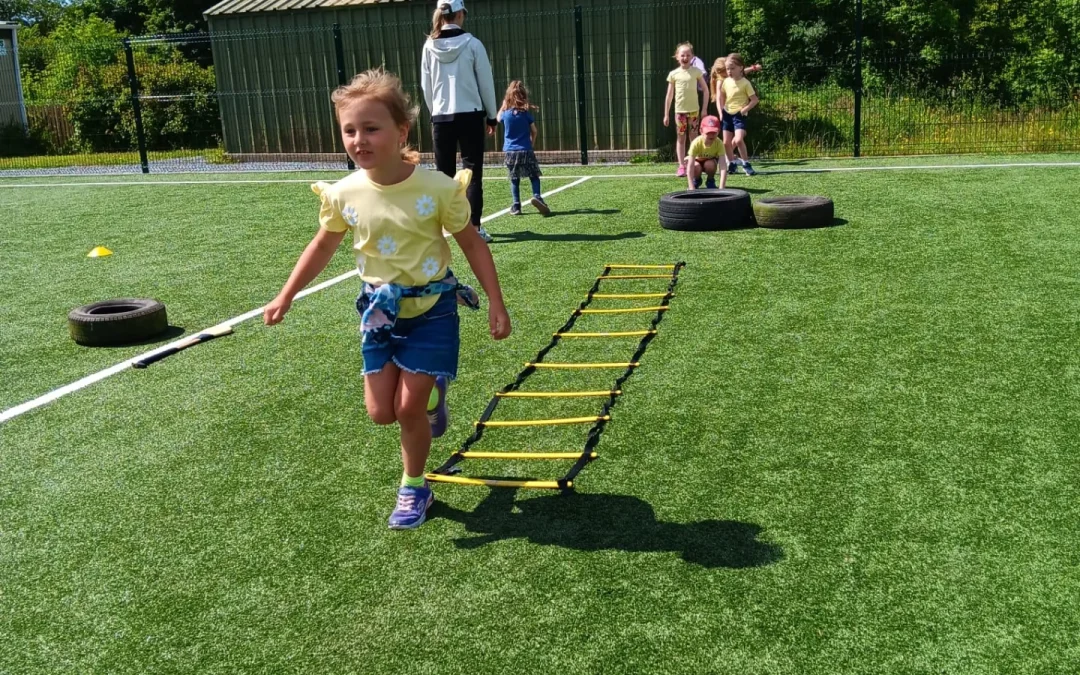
[{"x": 519, "y": 134}]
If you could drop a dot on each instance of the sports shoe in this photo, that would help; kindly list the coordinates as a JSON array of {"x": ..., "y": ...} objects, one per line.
[
  {"x": 749, "y": 170},
  {"x": 710, "y": 184},
  {"x": 681, "y": 171},
  {"x": 515, "y": 209},
  {"x": 697, "y": 182},
  {"x": 412, "y": 506},
  {"x": 732, "y": 168},
  {"x": 439, "y": 413},
  {"x": 483, "y": 234},
  {"x": 540, "y": 205}
]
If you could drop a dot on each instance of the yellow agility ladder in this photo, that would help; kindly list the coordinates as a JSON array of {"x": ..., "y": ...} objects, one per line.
[{"x": 447, "y": 473}]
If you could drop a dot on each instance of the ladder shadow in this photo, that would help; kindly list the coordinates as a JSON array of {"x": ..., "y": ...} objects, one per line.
[{"x": 596, "y": 522}]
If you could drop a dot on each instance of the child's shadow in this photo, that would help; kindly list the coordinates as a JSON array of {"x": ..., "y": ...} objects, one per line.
[
  {"x": 529, "y": 235},
  {"x": 594, "y": 522}
]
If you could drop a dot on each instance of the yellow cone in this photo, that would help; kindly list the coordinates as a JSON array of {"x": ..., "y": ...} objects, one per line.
[{"x": 99, "y": 252}]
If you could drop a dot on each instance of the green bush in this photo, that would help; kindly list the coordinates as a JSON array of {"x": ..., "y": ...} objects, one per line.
[{"x": 177, "y": 97}]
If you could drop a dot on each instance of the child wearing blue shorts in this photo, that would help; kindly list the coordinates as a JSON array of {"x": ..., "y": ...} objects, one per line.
[
  {"x": 735, "y": 98},
  {"x": 396, "y": 212}
]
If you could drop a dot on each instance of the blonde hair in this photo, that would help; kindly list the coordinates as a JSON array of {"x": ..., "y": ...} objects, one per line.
[
  {"x": 440, "y": 19},
  {"x": 385, "y": 87},
  {"x": 517, "y": 97},
  {"x": 717, "y": 73},
  {"x": 680, "y": 46}
]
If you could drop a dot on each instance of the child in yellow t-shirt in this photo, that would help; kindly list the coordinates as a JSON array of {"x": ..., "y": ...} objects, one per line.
[
  {"x": 735, "y": 98},
  {"x": 397, "y": 212},
  {"x": 683, "y": 85},
  {"x": 705, "y": 155}
]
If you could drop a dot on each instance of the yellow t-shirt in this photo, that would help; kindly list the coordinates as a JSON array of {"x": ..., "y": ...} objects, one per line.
[
  {"x": 397, "y": 229},
  {"x": 698, "y": 149},
  {"x": 738, "y": 93},
  {"x": 686, "y": 91}
]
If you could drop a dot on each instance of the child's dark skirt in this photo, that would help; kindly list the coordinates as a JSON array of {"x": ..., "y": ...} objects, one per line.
[{"x": 522, "y": 164}]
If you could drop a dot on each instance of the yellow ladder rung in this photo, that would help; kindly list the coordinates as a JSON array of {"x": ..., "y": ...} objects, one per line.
[
  {"x": 528, "y": 484},
  {"x": 537, "y": 423},
  {"x": 631, "y": 296},
  {"x": 558, "y": 394},
  {"x": 627, "y": 333},
  {"x": 640, "y": 267},
  {"x": 625, "y": 310},
  {"x": 636, "y": 276},
  {"x": 633, "y": 364},
  {"x": 526, "y": 455}
]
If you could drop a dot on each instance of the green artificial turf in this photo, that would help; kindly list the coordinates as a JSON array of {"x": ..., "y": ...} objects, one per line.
[{"x": 848, "y": 450}]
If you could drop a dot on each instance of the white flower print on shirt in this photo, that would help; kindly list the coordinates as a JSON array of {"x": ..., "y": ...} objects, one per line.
[
  {"x": 425, "y": 206},
  {"x": 430, "y": 267},
  {"x": 387, "y": 245},
  {"x": 349, "y": 214}
]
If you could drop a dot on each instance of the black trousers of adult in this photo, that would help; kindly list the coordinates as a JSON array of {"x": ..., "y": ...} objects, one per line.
[{"x": 467, "y": 131}]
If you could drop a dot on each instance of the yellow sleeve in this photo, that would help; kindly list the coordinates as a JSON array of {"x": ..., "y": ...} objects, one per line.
[
  {"x": 330, "y": 217},
  {"x": 749, "y": 88},
  {"x": 671, "y": 76},
  {"x": 454, "y": 209}
]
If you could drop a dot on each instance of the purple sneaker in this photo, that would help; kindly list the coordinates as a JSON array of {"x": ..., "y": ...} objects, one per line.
[
  {"x": 438, "y": 412},
  {"x": 412, "y": 506}
]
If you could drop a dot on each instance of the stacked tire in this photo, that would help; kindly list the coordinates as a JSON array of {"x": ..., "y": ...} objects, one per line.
[{"x": 706, "y": 210}]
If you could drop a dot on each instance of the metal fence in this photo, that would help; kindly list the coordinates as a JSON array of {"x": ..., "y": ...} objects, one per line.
[{"x": 261, "y": 98}]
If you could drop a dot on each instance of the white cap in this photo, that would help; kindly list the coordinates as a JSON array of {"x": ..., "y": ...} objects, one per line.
[{"x": 452, "y": 6}]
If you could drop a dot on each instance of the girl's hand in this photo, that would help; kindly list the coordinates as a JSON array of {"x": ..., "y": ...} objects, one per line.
[
  {"x": 667, "y": 121},
  {"x": 275, "y": 310},
  {"x": 498, "y": 321}
]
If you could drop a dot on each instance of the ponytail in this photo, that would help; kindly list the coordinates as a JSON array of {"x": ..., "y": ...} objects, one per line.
[{"x": 440, "y": 19}]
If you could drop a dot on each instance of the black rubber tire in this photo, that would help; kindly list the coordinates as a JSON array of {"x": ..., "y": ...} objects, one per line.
[
  {"x": 795, "y": 211},
  {"x": 117, "y": 322},
  {"x": 705, "y": 210}
]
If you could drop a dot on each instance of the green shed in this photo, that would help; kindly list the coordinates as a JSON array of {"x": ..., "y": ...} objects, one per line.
[
  {"x": 276, "y": 63},
  {"x": 12, "y": 105}
]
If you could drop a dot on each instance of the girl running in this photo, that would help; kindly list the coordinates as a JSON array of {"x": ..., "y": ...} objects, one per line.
[
  {"x": 735, "y": 98},
  {"x": 396, "y": 212},
  {"x": 519, "y": 135}
]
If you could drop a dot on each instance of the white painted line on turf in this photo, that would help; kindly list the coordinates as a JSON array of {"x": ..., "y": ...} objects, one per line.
[
  {"x": 267, "y": 181},
  {"x": 11, "y": 413},
  {"x": 764, "y": 172}
]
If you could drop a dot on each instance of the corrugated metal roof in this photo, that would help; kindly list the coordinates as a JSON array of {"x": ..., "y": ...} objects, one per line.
[{"x": 250, "y": 6}]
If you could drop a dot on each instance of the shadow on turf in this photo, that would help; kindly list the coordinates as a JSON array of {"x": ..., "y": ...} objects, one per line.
[
  {"x": 596, "y": 522},
  {"x": 529, "y": 235},
  {"x": 836, "y": 222},
  {"x": 169, "y": 334}
]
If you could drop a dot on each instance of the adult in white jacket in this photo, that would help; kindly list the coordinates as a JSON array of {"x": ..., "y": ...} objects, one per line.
[{"x": 459, "y": 91}]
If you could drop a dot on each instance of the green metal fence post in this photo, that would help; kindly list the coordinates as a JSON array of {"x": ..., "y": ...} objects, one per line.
[
  {"x": 723, "y": 29},
  {"x": 133, "y": 84},
  {"x": 857, "y": 131},
  {"x": 339, "y": 57},
  {"x": 579, "y": 45}
]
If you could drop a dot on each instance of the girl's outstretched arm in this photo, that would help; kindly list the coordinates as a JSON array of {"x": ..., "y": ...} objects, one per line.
[
  {"x": 483, "y": 266},
  {"x": 667, "y": 103},
  {"x": 312, "y": 261}
]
